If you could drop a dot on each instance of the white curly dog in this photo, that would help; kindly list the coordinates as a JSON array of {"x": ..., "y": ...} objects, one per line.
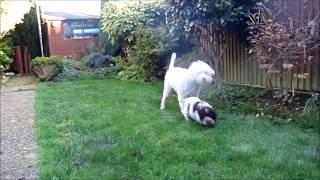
[{"x": 186, "y": 82}]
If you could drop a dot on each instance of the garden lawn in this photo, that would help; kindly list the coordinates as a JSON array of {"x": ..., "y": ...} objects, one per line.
[{"x": 111, "y": 129}]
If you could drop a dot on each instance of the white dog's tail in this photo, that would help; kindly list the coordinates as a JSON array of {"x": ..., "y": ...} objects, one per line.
[{"x": 173, "y": 58}]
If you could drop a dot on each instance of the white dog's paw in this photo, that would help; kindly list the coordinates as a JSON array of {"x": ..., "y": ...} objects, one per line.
[{"x": 162, "y": 107}]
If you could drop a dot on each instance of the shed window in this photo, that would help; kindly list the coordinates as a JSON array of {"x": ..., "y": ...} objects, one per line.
[{"x": 81, "y": 29}]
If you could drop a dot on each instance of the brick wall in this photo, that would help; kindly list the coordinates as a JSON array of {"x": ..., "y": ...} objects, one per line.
[{"x": 59, "y": 46}]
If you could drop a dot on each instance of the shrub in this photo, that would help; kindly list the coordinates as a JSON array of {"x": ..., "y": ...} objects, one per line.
[
  {"x": 5, "y": 61},
  {"x": 6, "y": 51},
  {"x": 121, "y": 18},
  {"x": 76, "y": 70},
  {"x": 6, "y": 44},
  {"x": 47, "y": 60},
  {"x": 106, "y": 47},
  {"x": 73, "y": 70},
  {"x": 45, "y": 68},
  {"x": 148, "y": 56},
  {"x": 132, "y": 72}
]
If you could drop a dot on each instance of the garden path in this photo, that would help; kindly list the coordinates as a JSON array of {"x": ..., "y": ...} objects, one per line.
[{"x": 18, "y": 142}]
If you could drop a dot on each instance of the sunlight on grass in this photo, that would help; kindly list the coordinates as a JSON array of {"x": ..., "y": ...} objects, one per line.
[{"x": 111, "y": 129}]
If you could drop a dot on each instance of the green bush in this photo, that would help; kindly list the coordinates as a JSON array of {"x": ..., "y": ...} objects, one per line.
[
  {"x": 227, "y": 15},
  {"x": 72, "y": 70},
  {"x": 121, "y": 18},
  {"x": 45, "y": 68},
  {"x": 5, "y": 61},
  {"x": 149, "y": 55},
  {"x": 79, "y": 69},
  {"x": 128, "y": 70},
  {"x": 47, "y": 60},
  {"x": 6, "y": 51},
  {"x": 106, "y": 47}
]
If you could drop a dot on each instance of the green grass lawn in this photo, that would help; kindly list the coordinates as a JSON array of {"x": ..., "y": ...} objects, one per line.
[{"x": 111, "y": 129}]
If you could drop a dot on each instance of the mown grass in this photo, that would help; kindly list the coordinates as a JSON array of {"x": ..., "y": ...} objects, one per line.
[{"x": 111, "y": 129}]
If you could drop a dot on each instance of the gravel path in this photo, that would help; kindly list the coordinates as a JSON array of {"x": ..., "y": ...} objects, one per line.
[{"x": 18, "y": 145}]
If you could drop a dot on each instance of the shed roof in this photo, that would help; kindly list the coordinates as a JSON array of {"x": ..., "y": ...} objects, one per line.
[{"x": 53, "y": 15}]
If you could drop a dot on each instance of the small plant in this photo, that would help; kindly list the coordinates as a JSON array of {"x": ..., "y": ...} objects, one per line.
[
  {"x": 312, "y": 104},
  {"x": 310, "y": 118},
  {"x": 131, "y": 72},
  {"x": 45, "y": 68}
]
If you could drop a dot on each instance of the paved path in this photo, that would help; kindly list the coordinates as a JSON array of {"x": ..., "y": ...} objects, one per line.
[{"x": 18, "y": 145}]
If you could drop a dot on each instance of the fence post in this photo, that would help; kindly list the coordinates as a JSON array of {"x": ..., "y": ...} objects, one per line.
[
  {"x": 19, "y": 65},
  {"x": 29, "y": 61},
  {"x": 26, "y": 58}
]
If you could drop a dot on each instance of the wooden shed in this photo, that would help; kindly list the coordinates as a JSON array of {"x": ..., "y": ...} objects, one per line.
[{"x": 71, "y": 34}]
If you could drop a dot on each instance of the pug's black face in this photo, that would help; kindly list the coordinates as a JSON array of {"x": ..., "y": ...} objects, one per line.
[{"x": 207, "y": 116}]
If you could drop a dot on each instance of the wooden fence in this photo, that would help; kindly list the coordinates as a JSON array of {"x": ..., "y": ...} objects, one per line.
[
  {"x": 22, "y": 60},
  {"x": 237, "y": 68}
]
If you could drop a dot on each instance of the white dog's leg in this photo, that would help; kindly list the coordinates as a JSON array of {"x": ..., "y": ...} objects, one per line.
[
  {"x": 186, "y": 117},
  {"x": 185, "y": 111},
  {"x": 180, "y": 100},
  {"x": 166, "y": 93}
]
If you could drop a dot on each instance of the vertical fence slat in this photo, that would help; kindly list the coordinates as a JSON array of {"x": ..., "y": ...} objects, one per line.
[
  {"x": 254, "y": 72},
  {"x": 240, "y": 63},
  {"x": 225, "y": 66},
  {"x": 231, "y": 59},
  {"x": 239, "y": 60},
  {"x": 234, "y": 60},
  {"x": 247, "y": 68},
  {"x": 236, "y": 57},
  {"x": 316, "y": 83},
  {"x": 308, "y": 80}
]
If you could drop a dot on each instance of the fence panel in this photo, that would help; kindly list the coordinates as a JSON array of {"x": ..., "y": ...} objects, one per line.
[{"x": 239, "y": 69}]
